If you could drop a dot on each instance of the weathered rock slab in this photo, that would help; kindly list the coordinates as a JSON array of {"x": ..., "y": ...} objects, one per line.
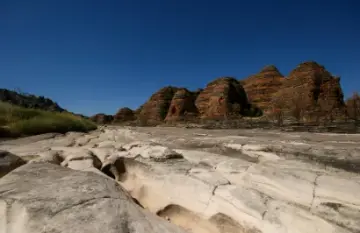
[{"x": 43, "y": 197}]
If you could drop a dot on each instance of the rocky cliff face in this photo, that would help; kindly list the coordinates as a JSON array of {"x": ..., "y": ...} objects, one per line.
[
  {"x": 157, "y": 107},
  {"x": 311, "y": 88},
  {"x": 261, "y": 87},
  {"x": 102, "y": 118},
  {"x": 182, "y": 106},
  {"x": 124, "y": 114},
  {"x": 222, "y": 98}
]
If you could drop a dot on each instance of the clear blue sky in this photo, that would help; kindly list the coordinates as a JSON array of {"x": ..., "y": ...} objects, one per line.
[{"x": 97, "y": 56}]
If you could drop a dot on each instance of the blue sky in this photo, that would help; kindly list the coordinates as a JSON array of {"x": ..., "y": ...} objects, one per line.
[{"x": 97, "y": 56}]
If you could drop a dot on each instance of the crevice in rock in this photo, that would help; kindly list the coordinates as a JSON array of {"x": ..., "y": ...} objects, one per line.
[
  {"x": 314, "y": 191},
  {"x": 114, "y": 169},
  {"x": 107, "y": 171},
  {"x": 265, "y": 203},
  {"x": 214, "y": 190},
  {"x": 137, "y": 202}
]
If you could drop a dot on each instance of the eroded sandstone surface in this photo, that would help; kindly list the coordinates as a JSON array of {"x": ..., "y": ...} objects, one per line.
[{"x": 205, "y": 181}]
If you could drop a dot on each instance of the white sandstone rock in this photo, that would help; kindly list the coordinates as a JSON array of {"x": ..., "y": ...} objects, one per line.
[{"x": 48, "y": 198}]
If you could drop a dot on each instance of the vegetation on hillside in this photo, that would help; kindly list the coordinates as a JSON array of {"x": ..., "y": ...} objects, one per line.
[
  {"x": 29, "y": 101},
  {"x": 18, "y": 121},
  {"x": 353, "y": 106}
]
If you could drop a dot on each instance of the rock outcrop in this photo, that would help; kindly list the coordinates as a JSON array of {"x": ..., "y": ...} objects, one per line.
[
  {"x": 157, "y": 107},
  {"x": 222, "y": 98},
  {"x": 182, "y": 106},
  {"x": 102, "y": 118},
  {"x": 43, "y": 197},
  {"x": 124, "y": 114},
  {"x": 311, "y": 88},
  {"x": 261, "y": 87},
  {"x": 204, "y": 181}
]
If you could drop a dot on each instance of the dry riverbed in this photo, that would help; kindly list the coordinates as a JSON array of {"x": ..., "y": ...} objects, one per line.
[{"x": 217, "y": 181}]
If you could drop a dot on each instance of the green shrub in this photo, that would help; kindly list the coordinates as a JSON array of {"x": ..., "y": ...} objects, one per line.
[
  {"x": 252, "y": 111},
  {"x": 19, "y": 121}
]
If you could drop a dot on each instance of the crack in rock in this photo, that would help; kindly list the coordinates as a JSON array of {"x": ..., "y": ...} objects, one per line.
[
  {"x": 314, "y": 191},
  {"x": 84, "y": 202},
  {"x": 266, "y": 211}
]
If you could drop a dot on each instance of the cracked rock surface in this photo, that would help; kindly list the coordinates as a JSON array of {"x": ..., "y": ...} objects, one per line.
[{"x": 205, "y": 181}]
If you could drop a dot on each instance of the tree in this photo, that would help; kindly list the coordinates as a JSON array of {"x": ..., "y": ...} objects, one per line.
[
  {"x": 277, "y": 110},
  {"x": 297, "y": 107},
  {"x": 353, "y": 106}
]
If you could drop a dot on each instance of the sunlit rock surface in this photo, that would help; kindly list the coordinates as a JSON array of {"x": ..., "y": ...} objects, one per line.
[{"x": 211, "y": 181}]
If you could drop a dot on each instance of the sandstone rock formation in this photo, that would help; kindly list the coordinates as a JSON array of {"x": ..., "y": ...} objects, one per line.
[
  {"x": 124, "y": 114},
  {"x": 313, "y": 90},
  {"x": 205, "y": 181},
  {"x": 43, "y": 197},
  {"x": 182, "y": 106},
  {"x": 222, "y": 98},
  {"x": 102, "y": 118},
  {"x": 157, "y": 107},
  {"x": 261, "y": 87}
]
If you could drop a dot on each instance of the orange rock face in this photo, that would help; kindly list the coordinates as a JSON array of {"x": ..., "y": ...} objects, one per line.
[
  {"x": 102, "y": 118},
  {"x": 222, "y": 98},
  {"x": 311, "y": 87},
  {"x": 182, "y": 106},
  {"x": 156, "y": 108},
  {"x": 124, "y": 114},
  {"x": 261, "y": 87}
]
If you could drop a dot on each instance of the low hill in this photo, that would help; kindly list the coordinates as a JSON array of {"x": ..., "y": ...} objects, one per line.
[
  {"x": 16, "y": 121},
  {"x": 29, "y": 100},
  {"x": 26, "y": 114}
]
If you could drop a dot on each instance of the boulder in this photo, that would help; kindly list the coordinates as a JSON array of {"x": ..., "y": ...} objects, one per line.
[
  {"x": 222, "y": 98},
  {"x": 124, "y": 114},
  {"x": 43, "y": 197},
  {"x": 102, "y": 118},
  {"x": 182, "y": 106},
  {"x": 156, "y": 108},
  {"x": 261, "y": 86}
]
